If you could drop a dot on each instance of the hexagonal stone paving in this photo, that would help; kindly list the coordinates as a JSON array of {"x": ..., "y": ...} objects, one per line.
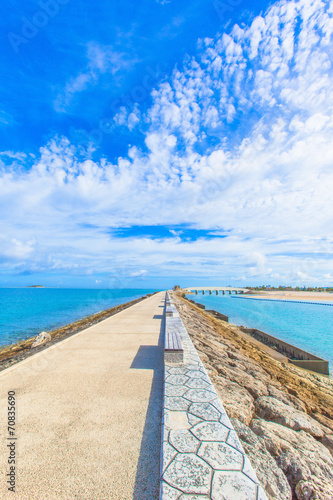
[
  {"x": 177, "y": 379},
  {"x": 229, "y": 485},
  {"x": 220, "y": 456},
  {"x": 234, "y": 441},
  {"x": 184, "y": 441},
  {"x": 169, "y": 493},
  {"x": 189, "y": 473},
  {"x": 205, "y": 411},
  {"x": 210, "y": 431},
  {"x": 174, "y": 390},
  {"x": 197, "y": 383},
  {"x": 247, "y": 469},
  {"x": 202, "y": 455},
  {"x": 176, "y": 403},
  {"x": 199, "y": 395},
  {"x": 168, "y": 454},
  {"x": 194, "y": 497}
]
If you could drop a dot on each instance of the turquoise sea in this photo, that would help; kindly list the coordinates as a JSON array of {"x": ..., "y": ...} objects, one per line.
[
  {"x": 305, "y": 325},
  {"x": 25, "y": 312}
]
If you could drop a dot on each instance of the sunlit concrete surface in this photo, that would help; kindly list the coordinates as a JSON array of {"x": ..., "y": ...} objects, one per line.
[{"x": 89, "y": 412}]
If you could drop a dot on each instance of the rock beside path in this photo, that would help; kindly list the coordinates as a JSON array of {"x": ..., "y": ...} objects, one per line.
[
  {"x": 276, "y": 411},
  {"x": 42, "y": 338},
  {"x": 282, "y": 414}
]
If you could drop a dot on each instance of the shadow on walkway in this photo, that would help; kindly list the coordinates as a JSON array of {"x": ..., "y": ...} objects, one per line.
[{"x": 147, "y": 479}]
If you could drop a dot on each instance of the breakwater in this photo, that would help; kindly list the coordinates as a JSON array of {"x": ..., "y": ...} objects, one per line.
[
  {"x": 308, "y": 327},
  {"x": 282, "y": 415}
]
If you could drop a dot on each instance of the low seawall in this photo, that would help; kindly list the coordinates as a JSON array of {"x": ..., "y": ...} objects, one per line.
[{"x": 295, "y": 355}]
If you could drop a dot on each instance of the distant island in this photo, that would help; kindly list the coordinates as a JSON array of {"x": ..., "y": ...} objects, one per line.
[{"x": 35, "y": 286}]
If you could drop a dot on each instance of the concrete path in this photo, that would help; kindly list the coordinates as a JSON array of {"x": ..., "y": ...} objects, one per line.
[{"x": 89, "y": 412}]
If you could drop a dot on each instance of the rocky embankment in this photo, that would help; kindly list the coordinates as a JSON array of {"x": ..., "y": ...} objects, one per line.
[{"x": 282, "y": 414}]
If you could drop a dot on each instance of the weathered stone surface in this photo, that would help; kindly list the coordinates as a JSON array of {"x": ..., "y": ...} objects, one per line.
[
  {"x": 270, "y": 476},
  {"x": 221, "y": 456},
  {"x": 41, "y": 338},
  {"x": 274, "y": 410},
  {"x": 298, "y": 454},
  {"x": 236, "y": 400},
  {"x": 313, "y": 489},
  {"x": 288, "y": 399},
  {"x": 328, "y": 442},
  {"x": 325, "y": 421},
  {"x": 254, "y": 385},
  {"x": 189, "y": 473},
  {"x": 232, "y": 485},
  {"x": 184, "y": 441},
  {"x": 210, "y": 431}
]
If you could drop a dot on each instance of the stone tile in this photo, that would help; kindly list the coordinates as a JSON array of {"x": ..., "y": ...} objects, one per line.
[
  {"x": 210, "y": 431},
  {"x": 197, "y": 383},
  {"x": 261, "y": 494},
  {"x": 168, "y": 493},
  {"x": 189, "y": 473},
  {"x": 177, "y": 420},
  {"x": 176, "y": 403},
  {"x": 247, "y": 469},
  {"x": 234, "y": 441},
  {"x": 168, "y": 453},
  {"x": 225, "y": 421},
  {"x": 229, "y": 485},
  {"x": 174, "y": 390},
  {"x": 176, "y": 379},
  {"x": 196, "y": 374},
  {"x": 193, "y": 420},
  {"x": 194, "y": 497},
  {"x": 199, "y": 395},
  {"x": 205, "y": 411},
  {"x": 176, "y": 371},
  {"x": 220, "y": 456},
  {"x": 183, "y": 441},
  {"x": 194, "y": 367}
]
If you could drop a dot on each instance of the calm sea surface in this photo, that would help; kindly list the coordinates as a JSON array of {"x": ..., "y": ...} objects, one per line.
[
  {"x": 308, "y": 326},
  {"x": 25, "y": 312}
]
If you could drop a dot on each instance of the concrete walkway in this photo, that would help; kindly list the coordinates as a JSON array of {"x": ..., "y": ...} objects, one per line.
[{"x": 89, "y": 412}]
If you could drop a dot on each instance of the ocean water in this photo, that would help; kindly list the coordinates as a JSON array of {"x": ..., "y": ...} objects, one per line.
[
  {"x": 25, "y": 312},
  {"x": 307, "y": 326}
]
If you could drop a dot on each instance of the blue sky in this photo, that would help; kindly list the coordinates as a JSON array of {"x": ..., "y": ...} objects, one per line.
[{"x": 160, "y": 142}]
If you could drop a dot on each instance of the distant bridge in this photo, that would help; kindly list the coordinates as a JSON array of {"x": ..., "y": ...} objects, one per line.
[{"x": 216, "y": 289}]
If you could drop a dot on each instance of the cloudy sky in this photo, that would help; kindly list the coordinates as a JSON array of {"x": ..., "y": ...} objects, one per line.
[{"x": 144, "y": 144}]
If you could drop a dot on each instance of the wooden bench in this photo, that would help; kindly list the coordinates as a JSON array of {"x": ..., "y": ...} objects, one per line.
[{"x": 173, "y": 349}]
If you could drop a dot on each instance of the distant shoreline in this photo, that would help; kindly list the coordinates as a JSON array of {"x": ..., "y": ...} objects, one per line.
[
  {"x": 293, "y": 296},
  {"x": 14, "y": 353}
]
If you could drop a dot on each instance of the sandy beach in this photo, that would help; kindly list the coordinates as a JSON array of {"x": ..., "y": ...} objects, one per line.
[{"x": 292, "y": 295}]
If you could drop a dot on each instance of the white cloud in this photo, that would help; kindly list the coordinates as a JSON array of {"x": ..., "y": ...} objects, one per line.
[
  {"x": 239, "y": 140},
  {"x": 100, "y": 60}
]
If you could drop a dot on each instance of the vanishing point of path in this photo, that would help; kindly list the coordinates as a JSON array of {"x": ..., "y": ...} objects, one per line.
[{"x": 89, "y": 412}]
